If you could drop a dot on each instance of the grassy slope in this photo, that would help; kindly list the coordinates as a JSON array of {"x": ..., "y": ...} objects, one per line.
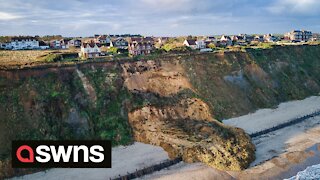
[{"x": 269, "y": 77}]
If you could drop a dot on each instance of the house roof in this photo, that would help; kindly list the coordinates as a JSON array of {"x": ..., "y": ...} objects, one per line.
[
  {"x": 42, "y": 43},
  {"x": 225, "y": 37},
  {"x": 164, "y": 38},
  {"x": 20, "y": 38},
  {"x": 104, "y": 37},
  {"x": 191, "y": 42},
  {"x": 139, "y": 43},
  {"x": 139, "y": 39},
  {"x": 150, "y": 39},
  {"x": 91, "y": 44}
]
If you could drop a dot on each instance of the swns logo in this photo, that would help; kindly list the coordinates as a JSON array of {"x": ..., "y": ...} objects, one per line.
[{"x": 62, "y": 154}]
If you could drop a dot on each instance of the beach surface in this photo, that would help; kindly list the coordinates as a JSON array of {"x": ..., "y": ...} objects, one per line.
[
  {"x": 279, "y": 154},
  {"x": 124, "y": 159}
]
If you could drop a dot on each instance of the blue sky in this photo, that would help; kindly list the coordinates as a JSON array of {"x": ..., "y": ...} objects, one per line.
[{"x": 156, "y": 17}]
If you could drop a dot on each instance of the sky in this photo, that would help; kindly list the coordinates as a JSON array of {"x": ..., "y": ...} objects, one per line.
[{"x": 157, "y": 17}]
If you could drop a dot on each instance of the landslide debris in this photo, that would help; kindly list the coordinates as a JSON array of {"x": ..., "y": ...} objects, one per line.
[{"x": 186, "y": 129}]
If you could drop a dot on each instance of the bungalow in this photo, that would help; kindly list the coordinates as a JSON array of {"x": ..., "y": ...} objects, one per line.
[
  {"x": 190, "y": 43},
  {"x": 89, "y": 50}
]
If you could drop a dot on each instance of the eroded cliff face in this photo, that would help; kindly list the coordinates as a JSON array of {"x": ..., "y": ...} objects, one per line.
[
  {"x": 173, "y": 102},
  {"x": 185, "y": 128},
  {"x": 162, "y": 78},
  {"x": 188, "y": 130}
]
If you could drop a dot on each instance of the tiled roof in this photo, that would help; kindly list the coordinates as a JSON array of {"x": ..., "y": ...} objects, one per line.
[
  {"x": 91, "y": 44},
  {"x": 20, "y": 38},
  {"x": 191, "y": 42}
]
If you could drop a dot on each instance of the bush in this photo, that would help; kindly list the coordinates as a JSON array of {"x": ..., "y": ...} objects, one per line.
[
  {"x": 182, "y": 49},
  {"x": 212, "y": 46},
  {"x": 113, "y": 50},
  {"x": 53, "y": 57}
]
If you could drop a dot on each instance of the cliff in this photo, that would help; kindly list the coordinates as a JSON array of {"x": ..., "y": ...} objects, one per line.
[{"x": 176, "y": 102}]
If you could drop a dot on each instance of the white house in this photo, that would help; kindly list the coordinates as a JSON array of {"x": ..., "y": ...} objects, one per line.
[
  {"x": 190, "y": 43},
  {"x": 18, "y": 43},
  {"x": 269, "y": 38},
  {"x": 89, "y": 50},
  {"x": 5, "y": 45},
  {"x": 200, "y": 44}
]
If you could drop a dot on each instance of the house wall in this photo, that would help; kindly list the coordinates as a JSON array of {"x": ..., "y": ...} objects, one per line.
[{"x": 24, "y": 44}]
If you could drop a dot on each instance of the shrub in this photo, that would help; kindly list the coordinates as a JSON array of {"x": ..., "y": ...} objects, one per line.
[{"x": 53, "y": 57}]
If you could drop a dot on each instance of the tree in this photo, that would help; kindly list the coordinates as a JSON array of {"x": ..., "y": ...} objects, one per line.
[
  {"x": 212, "y": 46},
  {"x": 113, "y": 50}
]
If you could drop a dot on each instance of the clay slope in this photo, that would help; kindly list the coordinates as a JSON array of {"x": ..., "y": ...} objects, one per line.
[
  {"x": 151, "y": 77},
  {"x": 185, "y": 129}
]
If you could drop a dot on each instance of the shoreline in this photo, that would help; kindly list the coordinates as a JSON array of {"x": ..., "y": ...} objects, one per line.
[{"x": 280, "y": 154}]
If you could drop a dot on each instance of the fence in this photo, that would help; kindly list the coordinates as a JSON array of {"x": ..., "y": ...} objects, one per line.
[{"x": 286, "y": 124}]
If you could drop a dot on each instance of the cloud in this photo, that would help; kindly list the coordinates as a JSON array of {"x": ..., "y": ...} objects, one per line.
[
  {"x": 167, "y": 4},
  {"x": 156, "y": 17},
  {"x": 295, "y": 7},
  {"x": 8, "y": 16}
]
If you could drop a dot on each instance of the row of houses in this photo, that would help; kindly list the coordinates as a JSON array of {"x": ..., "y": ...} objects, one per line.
[
  {"x": 134, "y": 46},
  {"x": 241, "y": 39},
  {"x": 144, "y": 45},
  {"x": 28, "y": 42},
  {"x": 244, "y": 39}
]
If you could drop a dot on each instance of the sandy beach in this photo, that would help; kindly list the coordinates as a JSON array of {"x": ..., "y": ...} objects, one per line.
[
  {"x": 267, "y": 118},
  {"x": 280, "y": 154},
  {"x": 124, "y": 159}
]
